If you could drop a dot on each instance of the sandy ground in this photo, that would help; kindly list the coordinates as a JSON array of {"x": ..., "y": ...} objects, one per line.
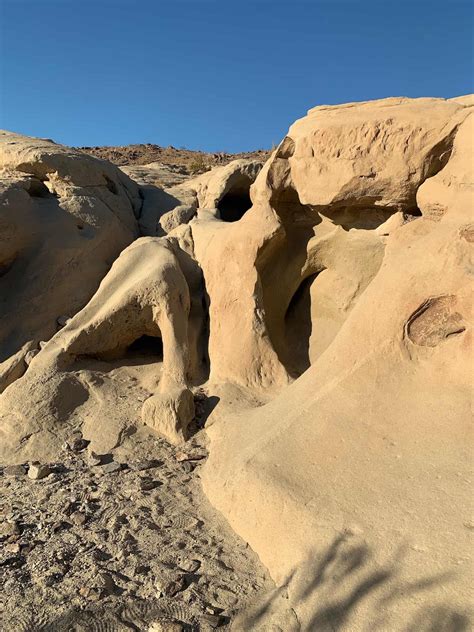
[{"x": 139, "y": 548}]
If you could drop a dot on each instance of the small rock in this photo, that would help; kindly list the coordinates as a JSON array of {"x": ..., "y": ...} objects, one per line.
[
  {"x": 89, "y": 593},
  {"x": 13, "y": 547},
  {"x": 107, "y": 583},
  {"x": 15, "y": 470},
  {"x": 59, "y": 525},
  {"x": 9, "y": 528},
  {"x": 42, "y": 344},
  {"x": 111, "y": 467},
  {"x": 37, "y": 471},
  {"x": 181, "y": 456},
  {"x": 77, "y": 444},
  {"x": 147, "y": 484},
  {"x": 78, "y": 518},
  {"x": 94, "y": 459},
  {"x": 188, "y": 467},
  {"x": 214, "y": 620},
  {"x": 139, "y": 466},
  {"x": 190, "y": 566},
  {"x": 169, "y": 588},
  {"x": 142, "y": 569}
]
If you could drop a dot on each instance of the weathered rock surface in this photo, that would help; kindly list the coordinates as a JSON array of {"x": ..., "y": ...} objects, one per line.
[
  {"x": 358, "y": 473},
  {"x": 64, "y": 218},
  {"x": 321, "y": 304}
]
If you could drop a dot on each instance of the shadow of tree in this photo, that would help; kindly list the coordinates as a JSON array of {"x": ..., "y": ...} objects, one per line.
[{"x": 343, "y": 584}]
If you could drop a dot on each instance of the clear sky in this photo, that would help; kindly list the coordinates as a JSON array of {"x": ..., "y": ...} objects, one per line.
[{"x": 223, "y": 75}]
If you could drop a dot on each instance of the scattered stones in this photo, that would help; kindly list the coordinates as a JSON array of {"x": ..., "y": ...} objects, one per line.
[
  {"x": 84, "y": 538},
  {"x": 14, "y": 470},
  {"x": 37, "y": 471}
]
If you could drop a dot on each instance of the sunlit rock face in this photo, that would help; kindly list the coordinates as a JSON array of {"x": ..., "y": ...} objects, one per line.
[{"x": 321, "y": 300}]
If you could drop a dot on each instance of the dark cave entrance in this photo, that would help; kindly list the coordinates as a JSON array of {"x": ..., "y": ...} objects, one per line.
[
  {"x": 236, "y": 202},
  {"x": 145, "y": 346},
  {"x": 298, "y": 328}
]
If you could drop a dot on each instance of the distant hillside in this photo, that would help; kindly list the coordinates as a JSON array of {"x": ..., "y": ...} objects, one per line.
[{"x": 191, "y": 161}]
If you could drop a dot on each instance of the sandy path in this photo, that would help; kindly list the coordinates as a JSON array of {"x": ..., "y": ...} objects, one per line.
[{"x": 86, "y": 549}]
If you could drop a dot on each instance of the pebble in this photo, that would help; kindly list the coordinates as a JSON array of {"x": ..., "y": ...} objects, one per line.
[
  {"x": 214, "y": 620},
  {"x": 169, "y": 588},
  {"x": 139, "y": 466},
  {"x": 9, "y": 528},
  {"x": 147, "y": 484},
  {"x": 189, "y": 456},
  {"x": 107, "y": 583},
  {"x": 15, "y": 470},
  {"x": 12, "y": 547},
  {"x": 78, "y": 518},
  {"x": 77, "y": 444},
  {"x": 190, "y": 566},
  {"x": 37, "y": 471},
  {"x": 111, "y": 467},
  {"x": 188, "y": 467},
  {"x": 94, "y": 459}
]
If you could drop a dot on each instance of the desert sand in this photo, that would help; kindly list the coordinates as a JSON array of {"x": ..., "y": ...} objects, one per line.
[{"x": 297, "y": 330}]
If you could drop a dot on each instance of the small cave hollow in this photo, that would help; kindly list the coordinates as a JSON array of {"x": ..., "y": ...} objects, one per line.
[
  {"x": 298, "y": 328},
  {"x": 38, "y": 189},
  {"x": 145, "y": 346},
  {"x": 236, "y": 202}
]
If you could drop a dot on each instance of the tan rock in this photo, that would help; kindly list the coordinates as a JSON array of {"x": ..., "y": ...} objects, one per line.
[
  {"x": 170, "y": 413},
  {"x": 64, "y": 218}
]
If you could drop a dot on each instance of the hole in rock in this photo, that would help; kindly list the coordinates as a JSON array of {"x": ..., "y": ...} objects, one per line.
[
  {"x": 37, "y": 189},
  {"x": 236, "y": 202},
  {"x": 145, "y": 346},
  {"x": 149, "y": 348},
  {"x": 298, "y": 328}
]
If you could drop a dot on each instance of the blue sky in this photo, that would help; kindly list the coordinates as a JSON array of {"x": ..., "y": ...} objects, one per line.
[{"x": 217, "y": 75}]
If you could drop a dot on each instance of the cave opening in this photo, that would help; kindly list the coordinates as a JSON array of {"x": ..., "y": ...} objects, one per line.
[
  {"x": 236, "y": 202},
  {"x": 148, "y": 346},
  {"x": 298, "y": 328}
]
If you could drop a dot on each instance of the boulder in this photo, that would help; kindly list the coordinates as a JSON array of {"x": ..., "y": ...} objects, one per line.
[
  {"x": 64, "y": 218},
  {"x": 352, "y": 485}
]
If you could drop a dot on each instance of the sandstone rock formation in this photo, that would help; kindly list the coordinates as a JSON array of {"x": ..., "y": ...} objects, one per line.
[
  {"x": 64, "y": 218},
  {"x": 330, "y": 285}
]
